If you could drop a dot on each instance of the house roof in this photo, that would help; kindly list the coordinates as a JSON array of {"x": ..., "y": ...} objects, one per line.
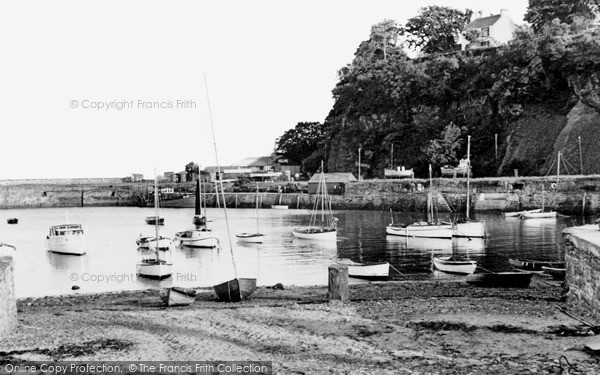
[
  {"x": 483, "y": 22},
  {"x": 254, "y": 161},
  {"x": 333, "y": 177}
]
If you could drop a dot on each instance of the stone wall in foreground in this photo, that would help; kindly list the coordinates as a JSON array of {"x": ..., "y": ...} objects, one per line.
[{"x": 582, "y": 257}]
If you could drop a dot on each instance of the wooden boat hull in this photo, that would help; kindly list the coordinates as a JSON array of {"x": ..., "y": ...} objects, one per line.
[
  {"x": 501, "y": 279},
  {"x": 425, "y": 230},
  {"x": 177, "y": 296},
  {"x": 162, "y": 243},
  {"x": 250, "y": 238},
  {"x": 368, "y": 271},
  {"x": 154, "y": 269},
  {"x": 471, "y": 229},
  {"x": 153, "y": 220},
  {"x": 235, "y": 290},
  {"x": 462, "y": 267},
  {"x": 556, "y": 273},
  {"x": 197, "y": 238},
  {"x": 312, "y": 233},
  {"x": 534, "y": 265},
  {"x": 519, "y": 213},
  {"x": 538, "y": 215}
]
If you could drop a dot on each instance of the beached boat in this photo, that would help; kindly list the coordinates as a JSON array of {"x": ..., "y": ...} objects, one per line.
[
  {"x": 66, "y": 239},
  {"x": 557, "y": 273},
  {"x": 534, "y": 265},
  {"x": 12, "y": 220},
  {"x": 155, "y": 220},
  {"x": 500, "y": 279},
  {"x": 202, "y": 237},
  {"x": 177, "y": 296},
  {"x": 466, "y": 227},
  {"x": 519, "y": 213},
  {"x": 252, "y": 237},
  {"x": 154, "y": 265},
  {"x": 238, "y": 288},
  {"x": 326, "y": 227},
  {"x": 452, "y": 265},
  {"x": 399, "y": 172},
  {"x": 235, "y": 290},
  {"x": 368, "y": 271},
  {"x": 432, "y": 228}
]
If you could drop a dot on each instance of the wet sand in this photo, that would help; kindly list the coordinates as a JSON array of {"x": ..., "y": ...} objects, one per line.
[{"x": 401, "y": 327}]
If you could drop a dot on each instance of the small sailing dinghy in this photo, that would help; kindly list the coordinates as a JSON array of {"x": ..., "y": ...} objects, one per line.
[
  {"x": 177, "y": 296},
  {"x": 239, "y": 288},
  {"x": 252, "y": 237},
  {"x": 432, "y": 228},
  {"x": 534, "y": 265},
  {"x": 154, "y": 265},
  {"x": 467, "y": 227},
  {"x": 367, "y": 271},
  {"x": 326, "y": 228},
  {"x": 519, "y": 213},
  {"x": 556, "y": 272}
]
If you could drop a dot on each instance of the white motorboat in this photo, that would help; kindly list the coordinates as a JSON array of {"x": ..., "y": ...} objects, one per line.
[
  {"x": 66, "y": 239},
  {"x": 202, "y": 237},
  {"x": 370, "y": 271},
  {"x": 451, "y": 265},
  {"x": 149, "y": 242},
  {"x": 154, "y": 268}
]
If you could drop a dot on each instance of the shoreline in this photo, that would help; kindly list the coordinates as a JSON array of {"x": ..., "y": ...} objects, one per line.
[{"x": 398, "y": 327}]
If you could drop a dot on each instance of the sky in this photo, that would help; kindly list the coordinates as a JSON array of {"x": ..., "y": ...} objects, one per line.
[{"x": 110, "y": 88}]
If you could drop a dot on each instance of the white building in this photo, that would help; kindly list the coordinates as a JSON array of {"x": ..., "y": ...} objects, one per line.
[{"x": 491, "y": 31}]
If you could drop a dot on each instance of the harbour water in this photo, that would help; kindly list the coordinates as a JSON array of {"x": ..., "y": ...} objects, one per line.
[{"x": 110, "y": 261}]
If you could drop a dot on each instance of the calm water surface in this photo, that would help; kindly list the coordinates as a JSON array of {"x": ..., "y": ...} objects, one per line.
[{"x": 112, "y": 254}]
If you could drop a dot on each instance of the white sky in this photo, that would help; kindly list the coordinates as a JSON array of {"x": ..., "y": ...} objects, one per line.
[{"x": 269, "y": 65}]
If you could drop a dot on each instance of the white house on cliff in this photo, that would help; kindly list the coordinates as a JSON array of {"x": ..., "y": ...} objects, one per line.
[{"x": 491, "y": 31}]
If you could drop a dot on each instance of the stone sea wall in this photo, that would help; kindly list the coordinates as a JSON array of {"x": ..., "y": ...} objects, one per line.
[
  {"x": 582, "y": 257},
  {"x": 574, "y": 195},
  {"x": 8, "y": 304}
]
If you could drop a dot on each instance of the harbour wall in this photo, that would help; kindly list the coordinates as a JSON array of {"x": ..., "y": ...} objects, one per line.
[
  {"x": 579, "y": 195},
  {"x": 8, "y": 303},
  {"x": 582, "y": 258}
]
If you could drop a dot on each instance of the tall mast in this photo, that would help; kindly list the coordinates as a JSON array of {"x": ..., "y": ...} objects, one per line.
[
  {"x": 557, "y": 167},
  {"x": 257, "y": 229},
  {"x": 392, "y": 158},
  {"x": 156, "y": 206},
  {"x": 430, "y": 198},
  {"x": 468, "y": 172},
  {"x": 322, "y": 193}
]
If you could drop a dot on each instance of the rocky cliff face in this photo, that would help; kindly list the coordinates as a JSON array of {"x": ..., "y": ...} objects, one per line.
[{"x": 535, "y": 140}]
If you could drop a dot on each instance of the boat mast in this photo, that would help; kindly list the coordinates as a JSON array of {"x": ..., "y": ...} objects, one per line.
[
  {"x": 156, "y": 209},
  {"x": 468, "y": 171},
  {"x": 392, "y": 158},
  {"x": 430, "y": 198},
  {"x": 220, "y": 178},
  {"x": 322, "y": 184},
  {"x": 197, "y": 205},
  {"x": 257, "y": 229},
  {"x": 557, "y": 168}
]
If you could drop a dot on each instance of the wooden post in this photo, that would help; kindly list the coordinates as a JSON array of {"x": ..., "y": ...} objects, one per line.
[
  {"x": 338, "y": 283},
  {"x": 8, "y": 302}
]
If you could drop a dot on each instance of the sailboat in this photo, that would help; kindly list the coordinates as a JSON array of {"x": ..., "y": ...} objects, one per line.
[
  {"x": 252, "y": 237},
  {"x": 431, "y": 228},
  {"x": 154, "y": 266},
  {"x": 200, "y": 236},
  {"x": 541, "y": 214},
  {"x": 466, "y": 227},
  {"x": 238, "y": 288},
  {"x": 328, "y": 228}
]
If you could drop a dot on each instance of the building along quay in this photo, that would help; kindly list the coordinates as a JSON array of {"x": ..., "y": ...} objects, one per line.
[{"x": 570, "y": 195}]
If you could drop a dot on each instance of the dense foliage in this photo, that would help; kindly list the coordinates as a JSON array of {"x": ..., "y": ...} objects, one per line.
[{"x": 426, "y": 106}]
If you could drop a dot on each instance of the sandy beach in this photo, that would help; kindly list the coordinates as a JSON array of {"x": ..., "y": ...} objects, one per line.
[{"x": 401, "y": 327}]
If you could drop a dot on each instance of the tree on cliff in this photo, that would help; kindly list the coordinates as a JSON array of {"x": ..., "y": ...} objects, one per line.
[
  {"x": 543, "y": 12},
  {"x": 192, "y": 170},
  {"x": 436, "y": 28},
  {"x": 299, "y": 143}
]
